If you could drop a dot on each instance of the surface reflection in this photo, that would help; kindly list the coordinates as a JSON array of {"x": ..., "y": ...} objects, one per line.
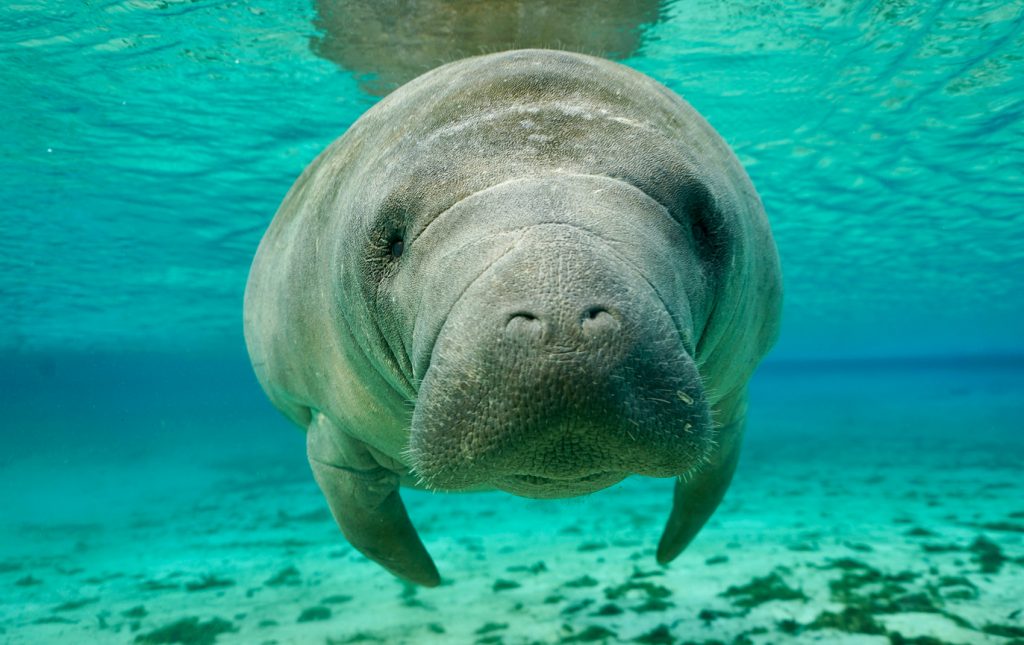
[{"x": 388, "y": 42}]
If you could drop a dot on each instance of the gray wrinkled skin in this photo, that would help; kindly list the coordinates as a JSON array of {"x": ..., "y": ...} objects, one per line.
[{"x": 586, "y": 282}]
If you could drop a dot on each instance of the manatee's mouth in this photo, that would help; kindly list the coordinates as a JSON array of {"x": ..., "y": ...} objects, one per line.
[
  {"x": 537, "y": 479},
  {"x": 537, "y": 486}
]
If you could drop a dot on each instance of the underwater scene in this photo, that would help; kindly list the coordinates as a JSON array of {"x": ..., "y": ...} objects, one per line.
[{"x": 158, "y": 483}]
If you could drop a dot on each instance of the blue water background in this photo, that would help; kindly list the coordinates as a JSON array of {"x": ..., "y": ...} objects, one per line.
[{"x": 147, "y": 144}]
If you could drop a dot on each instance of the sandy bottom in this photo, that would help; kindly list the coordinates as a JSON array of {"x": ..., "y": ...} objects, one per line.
[{"x": 870, "y": 507}]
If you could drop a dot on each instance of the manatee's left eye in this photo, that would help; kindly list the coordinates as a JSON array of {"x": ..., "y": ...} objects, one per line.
[
  {"x": 700, "y": 232},
  {"x": 396, "y": 245}
]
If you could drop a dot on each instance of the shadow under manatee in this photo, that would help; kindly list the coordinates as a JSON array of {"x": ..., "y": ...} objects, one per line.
[{"x": 388, "y": 42}]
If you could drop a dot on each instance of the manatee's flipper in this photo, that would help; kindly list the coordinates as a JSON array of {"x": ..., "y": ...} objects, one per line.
[
  {"x": 697, "y": 497},
  {"x": 363, "y": 497}
]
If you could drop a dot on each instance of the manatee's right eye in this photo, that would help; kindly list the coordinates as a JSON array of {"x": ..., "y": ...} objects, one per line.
[
  {"x": 396, "y": 245},
  {"x": 390, "y": 221}
]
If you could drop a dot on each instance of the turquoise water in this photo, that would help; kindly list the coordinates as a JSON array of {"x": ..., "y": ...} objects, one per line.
[{"x": 147, "y": 145}]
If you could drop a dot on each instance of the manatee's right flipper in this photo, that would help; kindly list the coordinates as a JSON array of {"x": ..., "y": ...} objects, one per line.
[{"x": 363, "y": 497}]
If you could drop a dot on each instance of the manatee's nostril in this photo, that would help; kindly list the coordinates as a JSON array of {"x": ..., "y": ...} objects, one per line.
[
  {"x": 524, "y": 326},
  {"x": 593, "y": 312},
  {"x": 598, "y": 320}
]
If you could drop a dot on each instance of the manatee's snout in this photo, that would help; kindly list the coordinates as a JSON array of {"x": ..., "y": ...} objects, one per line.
[
  {"x": 593, "y": 325},
  {"x": 558, "y": 372}
]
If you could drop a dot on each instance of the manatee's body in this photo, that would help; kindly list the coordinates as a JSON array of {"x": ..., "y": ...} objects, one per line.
[{"x": 534, "y": 271}]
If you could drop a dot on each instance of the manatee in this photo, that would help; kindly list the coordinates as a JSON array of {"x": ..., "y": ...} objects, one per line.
[{"x": 533, "y": 271}]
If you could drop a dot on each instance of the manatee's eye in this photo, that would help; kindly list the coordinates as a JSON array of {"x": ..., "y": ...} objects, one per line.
[
  {"x": 700, "y": 232},
  {"x": 396, "y": 245}
]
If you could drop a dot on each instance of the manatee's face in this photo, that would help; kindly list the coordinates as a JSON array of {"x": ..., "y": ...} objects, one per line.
[{"x": 549, "y": 324}]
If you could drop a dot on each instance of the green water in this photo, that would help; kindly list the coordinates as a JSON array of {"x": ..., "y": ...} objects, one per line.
[{"x": 145, "y": 480}]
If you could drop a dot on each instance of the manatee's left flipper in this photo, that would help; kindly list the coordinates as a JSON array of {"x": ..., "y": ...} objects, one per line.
[
  {"x": 696, "y": 497},
  {"x": 363, "y": 497}
]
